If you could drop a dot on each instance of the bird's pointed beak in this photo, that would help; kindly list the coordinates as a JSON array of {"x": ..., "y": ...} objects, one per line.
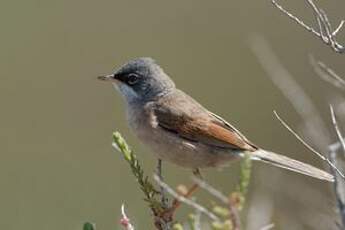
[{"x": 110, "y": 77}]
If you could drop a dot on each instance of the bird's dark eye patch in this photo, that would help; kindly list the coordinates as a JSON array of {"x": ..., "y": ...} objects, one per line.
[{"x": 132, "y": 79}]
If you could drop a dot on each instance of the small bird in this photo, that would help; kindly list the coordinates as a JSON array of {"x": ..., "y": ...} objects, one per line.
[{"x": 180, "y": 130}]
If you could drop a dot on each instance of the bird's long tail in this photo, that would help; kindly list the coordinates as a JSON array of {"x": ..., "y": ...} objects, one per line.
[{"x": 291, "y": 164}]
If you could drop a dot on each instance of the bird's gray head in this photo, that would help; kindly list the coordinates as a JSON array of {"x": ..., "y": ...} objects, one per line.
[{"x": 141, "y": 80}]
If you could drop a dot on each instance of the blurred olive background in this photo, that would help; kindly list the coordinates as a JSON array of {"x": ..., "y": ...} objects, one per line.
[{"x": 57, "y": 167}]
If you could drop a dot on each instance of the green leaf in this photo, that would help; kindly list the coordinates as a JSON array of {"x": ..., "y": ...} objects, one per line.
[
  {"x": 89, "y": 226},
  {"x": 120, "y": 142}
]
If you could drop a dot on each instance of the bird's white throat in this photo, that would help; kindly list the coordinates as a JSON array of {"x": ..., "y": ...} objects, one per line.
[{"x": 127, "y": 92}]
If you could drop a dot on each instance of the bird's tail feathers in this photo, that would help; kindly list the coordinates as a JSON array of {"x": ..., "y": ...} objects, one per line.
[{"x": 291, "y": 164}]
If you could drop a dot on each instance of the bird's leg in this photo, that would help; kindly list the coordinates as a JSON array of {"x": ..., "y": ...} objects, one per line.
[
  {"x": 164, "y": 199},
  {"x": 165, "y": 217}
]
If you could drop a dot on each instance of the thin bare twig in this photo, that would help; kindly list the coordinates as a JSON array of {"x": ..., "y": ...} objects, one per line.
[
  {"x": 125, "y": 221},
  {"x": 325, "y": 33},
  {"x": 322, "y": 157},
  {"x": 294, "y": 18},
  {"x": 327, "y": 74},
  {"x": 185, "y": 200},
  {"x": 234, "y": 215},
  {"x": 213, "y": 191},
  {"x": 338, "y": 28}
]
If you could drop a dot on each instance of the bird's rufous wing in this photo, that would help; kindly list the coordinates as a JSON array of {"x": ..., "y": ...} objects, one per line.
[{"x": 201, "y": 126}]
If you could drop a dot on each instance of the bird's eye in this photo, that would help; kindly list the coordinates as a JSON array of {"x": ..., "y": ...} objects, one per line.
[{"x": 132, "y": 78}]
